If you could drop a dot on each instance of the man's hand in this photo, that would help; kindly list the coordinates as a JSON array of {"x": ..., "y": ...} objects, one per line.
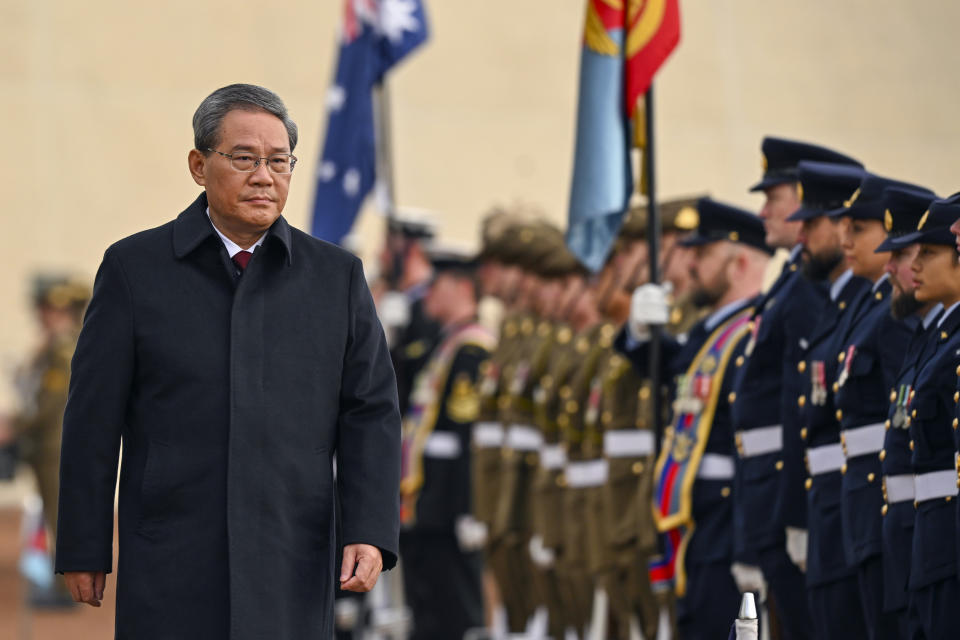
[
  {"x": 86, "y": 586},
  {"x": 362, "y": 564}
]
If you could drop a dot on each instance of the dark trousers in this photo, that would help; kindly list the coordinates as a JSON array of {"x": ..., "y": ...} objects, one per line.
[
  {"x": 442, "y": 585},
  {"x": 789, "y": 593},
  {"x": 881, "y": 625},
  {"x": 836, "y": 611},
  {"x": 938, "y": 608},
  {"x": 711, "y": 603}
]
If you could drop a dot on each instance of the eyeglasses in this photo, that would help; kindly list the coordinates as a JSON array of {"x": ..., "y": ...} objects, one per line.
[{"x": 280, "y": 163}]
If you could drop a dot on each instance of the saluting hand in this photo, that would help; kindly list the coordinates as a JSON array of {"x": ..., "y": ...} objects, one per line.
[
  {"x": 362, "y": 564},
  {"x": 86, "y": 586}
]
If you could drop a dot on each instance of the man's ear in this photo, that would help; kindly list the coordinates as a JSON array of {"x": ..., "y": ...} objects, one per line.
[{"x": 196, "y": 161}]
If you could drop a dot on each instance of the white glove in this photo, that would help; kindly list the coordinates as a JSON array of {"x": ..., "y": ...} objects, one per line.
[
  {"x": 394, "y": 309},
  {"x": 749, "y": 578},
  {"x": 541, "y": 556},
  {"x": 471, "y": 533},
  {"x": 797, "y": 547},
  {"x": 747, "y": 629},
  {"x": 648, "y": 306}
]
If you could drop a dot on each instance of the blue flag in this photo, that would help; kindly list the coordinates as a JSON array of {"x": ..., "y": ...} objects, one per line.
[{"x": 376, "y": 34}]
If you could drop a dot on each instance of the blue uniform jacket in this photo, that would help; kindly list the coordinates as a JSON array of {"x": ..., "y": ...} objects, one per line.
[
  {"x": 825, "y": 558},
  {"x": 897, "y": 519},
  {"x": 763, "y": 377},
  {"x": 874, "y": 351},
  {"x": 931, "y": 412}
]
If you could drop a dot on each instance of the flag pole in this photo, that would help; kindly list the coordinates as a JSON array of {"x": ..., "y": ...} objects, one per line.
[
  {"x": 384, "y": 150},
  {"x": 653, "y": 242}
]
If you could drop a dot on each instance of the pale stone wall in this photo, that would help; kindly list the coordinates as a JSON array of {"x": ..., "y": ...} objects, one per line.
[{"x": 97, "y": 96}]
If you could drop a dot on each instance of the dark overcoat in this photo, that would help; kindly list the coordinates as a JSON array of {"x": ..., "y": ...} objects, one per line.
[{"x": 232, "y": 396}]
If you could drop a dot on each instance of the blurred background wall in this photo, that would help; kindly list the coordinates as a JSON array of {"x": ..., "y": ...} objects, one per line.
[{"x": 97, "y": 96}]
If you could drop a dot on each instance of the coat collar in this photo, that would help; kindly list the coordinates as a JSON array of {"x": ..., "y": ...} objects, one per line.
[{"x": 192, "y": 227}]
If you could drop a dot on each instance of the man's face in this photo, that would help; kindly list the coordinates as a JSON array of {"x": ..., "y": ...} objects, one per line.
[
  {"x": 781, "y": 202},
  {"x": 859, "y": 239},
  {"x": 489, "y": 275},
  {"x": 709, "y": 272},
  {"x": 443, "y": 293},
  {"x": 955, "y": 230},
  {"x": 244, "y": 202},
  {"x": 935, "y": 274}
]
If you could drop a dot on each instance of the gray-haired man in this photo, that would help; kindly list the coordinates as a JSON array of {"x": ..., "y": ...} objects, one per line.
[{"x": 234, "y": 356}]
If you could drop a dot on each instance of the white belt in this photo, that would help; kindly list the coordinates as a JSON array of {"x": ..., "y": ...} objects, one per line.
[
  {"x": 936, "y": 484},
  {"x": 898, "y": 488},
  {"x": 714, "y": 466},
  {"x": 756, "y": 442},
  {"x": 863, "y": 440},
  {"x": 488, "y": 435},
  {"x": 625, "y": 443},
  {"x": 442, "y": 444},
  {"x": 553, "y": 456},
  {"x": 591, "y": 473},
  {"x": 825, "y": 459},
  {"x": 521, "y": 437}
]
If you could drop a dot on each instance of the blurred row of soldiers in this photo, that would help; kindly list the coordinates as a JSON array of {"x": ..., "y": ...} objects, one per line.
[
  {"x": 31, "y": 433},
  {"x": 801, "y": 443}
]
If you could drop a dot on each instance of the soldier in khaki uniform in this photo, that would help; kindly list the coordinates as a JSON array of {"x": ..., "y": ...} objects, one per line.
[{"x": 43, "y": 389}]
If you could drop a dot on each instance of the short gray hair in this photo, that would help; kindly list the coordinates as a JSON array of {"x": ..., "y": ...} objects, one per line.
[{"x": 249, "y": 97}]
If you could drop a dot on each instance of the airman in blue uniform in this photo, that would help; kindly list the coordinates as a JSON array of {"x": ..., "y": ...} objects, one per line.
[
  {"x": 869, "y": 357},
  {"x": 903, "y": 209},
  {"x": 831, "y": 582},
  {"x": 930, "y": 408},
  {"x": 769, "y": 469}
]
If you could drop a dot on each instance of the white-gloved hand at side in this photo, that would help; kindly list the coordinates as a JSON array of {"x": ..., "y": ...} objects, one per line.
[
  {"x": 749, "y": 578},
  {"x": 648, "y": 306},
  {"x": 471, "y": 533},
  {"x": 541, "y": 555},
  {"x": 797, "y": 547}
]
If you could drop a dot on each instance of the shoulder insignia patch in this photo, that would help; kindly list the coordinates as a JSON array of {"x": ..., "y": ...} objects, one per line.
[
  {"x": 415, "y": 349},
  {"x": 463, "y": 403}
]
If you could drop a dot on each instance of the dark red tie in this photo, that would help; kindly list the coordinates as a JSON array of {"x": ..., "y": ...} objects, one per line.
[{"x": 241, "y": 258}]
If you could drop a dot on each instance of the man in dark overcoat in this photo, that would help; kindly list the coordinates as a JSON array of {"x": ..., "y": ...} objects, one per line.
[{"x": 237, "y": 360}]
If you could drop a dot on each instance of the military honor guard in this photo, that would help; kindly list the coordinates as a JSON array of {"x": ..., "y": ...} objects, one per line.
[
  {"x": 694, "y": 474},
  {"x": 832, "y": 586},
  {"x": 439, "y": 534},
  {"x": 770, "y": 458},
  {"x": 903, "y": 209}
]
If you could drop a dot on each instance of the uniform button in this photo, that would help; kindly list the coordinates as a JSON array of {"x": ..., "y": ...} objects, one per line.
[
  {"x": 913, "y": 414},
  {"x": 912, "y": 393},
  {"x": 958, "y": 371},
  {"x": 732, "y": 397},
  {"x": 839, "y": 414},
  {"x": 803, "y": 433},
  {"x": 779, "y": 465},
  {"x": 883, "y": 510},
  {"x": 802, "y": 400},
  {"x": 956, "y": 397},
  {"x": 949, "y": 498},
  {"x": 911, "y": 445},
  {"x": 836, "y": 387},
  {"x": 883, "y": 455},
  {"x": 955, "y": 423},
  {"x": 636, "y": 468},
  {"x": 943, "y": 335},
  {"x": 571, "y": 406},
  {"x": 802, "y": 366},
  {"x": 906, "y": 421},
  {"x": 878, "y": 295},
  {"x": 893, "y": 395},
  {"x": 886, "y": 425},
  {"x": 842, "y": 305},
  {"x": 871, "y": 477},
  {"x": 808, "y": 484},
  {"x": 843, "y": 469},
  {"x": 841, "y": 356},
  {"x": 739, "y": 361},
  {"x": 915, "y": 504},
  {"x": 725, "y": 492}
]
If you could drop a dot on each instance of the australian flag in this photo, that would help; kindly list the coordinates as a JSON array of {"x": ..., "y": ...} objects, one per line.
[{"x": 376, "y": 34}]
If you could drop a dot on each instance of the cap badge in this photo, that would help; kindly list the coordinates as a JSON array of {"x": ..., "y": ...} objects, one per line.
[
  {"x": 853, "y": 198},
  {"x": 687, "y": 219},
  {"x": 888, "y": 220},
  {"x": 923, "y": 220}
]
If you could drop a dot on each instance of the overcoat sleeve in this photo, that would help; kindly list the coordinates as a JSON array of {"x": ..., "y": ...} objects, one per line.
[
  {"x": 102, "y": 370},
  {"x": 368, "y": 439}
]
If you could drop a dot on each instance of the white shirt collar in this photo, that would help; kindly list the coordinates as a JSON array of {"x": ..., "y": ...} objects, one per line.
[
  {"x": 723, "y": 313},
  {"x": 946, "y": 314},
  {"x": 797, "y": 248},
  {"x": 840, "y": 283},
  {"x": 876, "y": 285},
  {"x": 232, "y": 247},
  {"x": 928, "y": 319}
]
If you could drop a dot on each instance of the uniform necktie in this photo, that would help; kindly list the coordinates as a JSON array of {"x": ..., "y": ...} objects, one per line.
[{"x": 241, "y": 258}]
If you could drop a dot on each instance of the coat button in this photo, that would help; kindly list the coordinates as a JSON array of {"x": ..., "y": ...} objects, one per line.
[
  {"x": 913, "y": 414},
  {"x": 841, "y": 356},
  {"x": 779, "y": 465},
  {"x": 839, "y": 414},
  {"x": 883, "y": 510},
  {"x": 871, "y": 477},
  {"x": 911, "y": 445},
  {"x": 636, "y": 468},
  {"x": 958, "y": 371},
  {"x": 808, "y": 484},
  {"x": 571, "y": 406},
  {"x": 725, "y": 492},
  {"x": 803, "y": 433},
  {"x": 956, "y": 397},
  {"x": 878, "y": 295},
  {"x": 883, "y": 455},
  {"x": 842, "y": 305},
  {"x": 836, "y": 387},
  {"x": 893, "y": 396},
  {"x": 740, "y": 361},
  {"x": 802, "y": 366},
  {"x": 886, "y": 425},
  {"x": 843, "y": 469},
  {"x": 955, "y": 423},
  {"x": 802, "y": 400},
  {"x": 732, "y": 397}
]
